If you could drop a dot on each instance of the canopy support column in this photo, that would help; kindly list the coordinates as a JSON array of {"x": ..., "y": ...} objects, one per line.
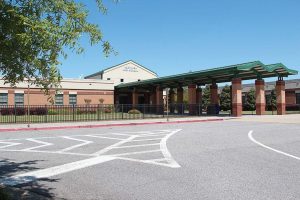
[
  {"x": 236, "y": 97},
  {"x": 280, "y": 97},
  {"x": 260, "y": 97},
  {"x": 159, "y": 100},
  {"x": 192, "y": 99},
  {"x": 172, "y": 100},
  {"x": 134, "y": 97},
  {"x": 180, "y": 108}
]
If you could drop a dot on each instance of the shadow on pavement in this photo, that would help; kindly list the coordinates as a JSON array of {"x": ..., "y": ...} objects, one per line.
[{"x": 36, "y": 189}]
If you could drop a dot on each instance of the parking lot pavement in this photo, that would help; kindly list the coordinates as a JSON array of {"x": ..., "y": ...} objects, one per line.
[{"x": 213, "y": 160}]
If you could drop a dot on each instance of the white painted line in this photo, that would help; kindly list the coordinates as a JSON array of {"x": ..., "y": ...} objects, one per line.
[
  {"x": 270, "y": 148},
  {"x": 149, "y": 162},
  {"x": 51, "y": 152},
  {"x": 146, "y": 139},
  {"x": 165, "y": 151},
  {"x": 10, "y": 144},
  {"x": 53, "y": 171},
  {"x": 139, "y": 145},
  {"x": 44, "y": 144},
  {"x": 136, "y": 152},
  {"x": 102, "y": 151},
  {"x": 85, "y": 142},
  {"x": 153, "y": 135},
  {"x": 103, "y": 137}
]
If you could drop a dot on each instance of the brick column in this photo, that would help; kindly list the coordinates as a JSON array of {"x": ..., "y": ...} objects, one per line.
[
  {"x": 199, "y": 100},
  {"x": 180, "y": 108},
  {"x": 260, "y": 99},
  {"x": 280, "y": 97},
  {"x": 159, "y": 100},
  {"x": 66, "y": 97},
  {"x": 213, "y": 108},
  {"x": 172, "y": 100},
  {"x": 134, "y": 97},
  {"x": 236, "y": 97},
  {"x": 192, "y": 99}
]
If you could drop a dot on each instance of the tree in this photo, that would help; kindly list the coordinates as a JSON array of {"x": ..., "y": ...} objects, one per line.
[
  {"x": 250, "y": 100},
  {"x": 34, "y": 34},
  {"x": 206, "y": 96},
  {"x": 225, "y": 98},
  {"x": 271, "y": 101}
]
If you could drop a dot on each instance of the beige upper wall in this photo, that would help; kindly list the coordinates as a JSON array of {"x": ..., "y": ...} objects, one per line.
[
  {"x": 128, "y": 71},
  {"x": 72, "y": 84}
]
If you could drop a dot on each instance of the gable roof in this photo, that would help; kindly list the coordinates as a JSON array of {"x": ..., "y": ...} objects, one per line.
[{"x": 115, "y": 66}]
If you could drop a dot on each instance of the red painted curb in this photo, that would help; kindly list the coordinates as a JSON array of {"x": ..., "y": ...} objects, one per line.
[{"x": 105, "y": 125}]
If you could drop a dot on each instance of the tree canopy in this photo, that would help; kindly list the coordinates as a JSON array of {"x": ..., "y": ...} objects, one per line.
[
  {"x": 225, "y": 98},
  {"x": 34, "y": 33}
]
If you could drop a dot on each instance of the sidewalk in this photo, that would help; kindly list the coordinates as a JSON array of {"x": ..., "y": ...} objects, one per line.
[
  {"x": 95, "y": 124},
  {"x": 284, "y": 119}
]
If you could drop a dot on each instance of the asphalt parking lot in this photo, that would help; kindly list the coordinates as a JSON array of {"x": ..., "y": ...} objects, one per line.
[{"x": 208, "y": 160}]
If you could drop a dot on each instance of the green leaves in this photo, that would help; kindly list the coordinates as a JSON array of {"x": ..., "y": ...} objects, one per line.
[{"x": 33, "y": 35}]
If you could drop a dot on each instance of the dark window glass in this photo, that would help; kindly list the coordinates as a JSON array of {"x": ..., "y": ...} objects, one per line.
[
  {"x": 73, "y": 99},
  {"x": 3, "y": 99},
  {"x": 19, "y": 99},
  {"x": 59, "y": 99},
  {"x": 297, "y": 98}
]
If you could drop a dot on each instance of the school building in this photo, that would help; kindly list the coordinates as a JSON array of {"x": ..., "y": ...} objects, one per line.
[{"x": 134, "y": 84}]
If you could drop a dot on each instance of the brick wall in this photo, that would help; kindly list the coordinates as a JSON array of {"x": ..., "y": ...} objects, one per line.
[{"x": 37, "y": 97}]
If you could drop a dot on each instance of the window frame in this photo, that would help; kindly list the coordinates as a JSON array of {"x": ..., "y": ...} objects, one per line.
[
  {"x": 4, "y": 95},
  {"x": 71, "y": 99},
  {"x": 17, "y": 97},
  {"x": 61, "y": 102}
]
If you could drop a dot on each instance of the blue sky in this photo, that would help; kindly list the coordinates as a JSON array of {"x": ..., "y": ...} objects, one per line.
[{"x": 175, "y": 36}]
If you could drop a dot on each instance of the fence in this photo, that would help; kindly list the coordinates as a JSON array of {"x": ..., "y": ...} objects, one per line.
[
  {"x": 271, "y": 109},
  {"x": 57, "y": 113}
]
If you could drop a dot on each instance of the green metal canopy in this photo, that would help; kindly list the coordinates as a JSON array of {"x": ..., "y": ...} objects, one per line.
[{"x": 245, "y": 71}]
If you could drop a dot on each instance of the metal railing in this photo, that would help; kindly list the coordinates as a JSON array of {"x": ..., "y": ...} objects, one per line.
[
  {"x": 68, "y": 113},
  {"x": 272, "y": 109}
]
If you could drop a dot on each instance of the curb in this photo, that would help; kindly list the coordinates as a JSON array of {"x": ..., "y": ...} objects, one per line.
[{"x": 105, "y": 125}]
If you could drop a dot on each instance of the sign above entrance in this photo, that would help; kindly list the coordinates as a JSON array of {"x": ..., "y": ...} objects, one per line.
[{"x": 130, "y": 69}]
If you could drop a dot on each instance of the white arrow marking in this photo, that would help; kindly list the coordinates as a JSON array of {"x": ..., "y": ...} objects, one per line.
[{"x": 52, "y": 171}]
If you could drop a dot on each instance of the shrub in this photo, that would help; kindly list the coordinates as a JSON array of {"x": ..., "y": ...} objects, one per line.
[
  {"x": 107, "y": 110},
  {"x": 134, "y": 111},
  {"x": 52, "y": 112},
  {"x": 6, "y": 111},
  {"x": 293, "y": 108},
  {"x": 41, "y": 111},
  {"x": 20, "y": 111}
]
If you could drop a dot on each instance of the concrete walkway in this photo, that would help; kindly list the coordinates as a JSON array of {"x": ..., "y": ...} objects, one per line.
[
  {"x": 94, "y": 124},
  {"x": 285, "y": 119}
]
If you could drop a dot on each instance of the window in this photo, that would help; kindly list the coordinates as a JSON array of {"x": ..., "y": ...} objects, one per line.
[
  {"x": 108, "y": 79},
  {"x": 19, "y": 99},
  {"x": 121, "y": 80},
  {"x": 3, "y": 99},
  {"x": 297, "y": 98},
  {"x": 72, "y": 99},
  {"x": 59, "y": 99}
]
